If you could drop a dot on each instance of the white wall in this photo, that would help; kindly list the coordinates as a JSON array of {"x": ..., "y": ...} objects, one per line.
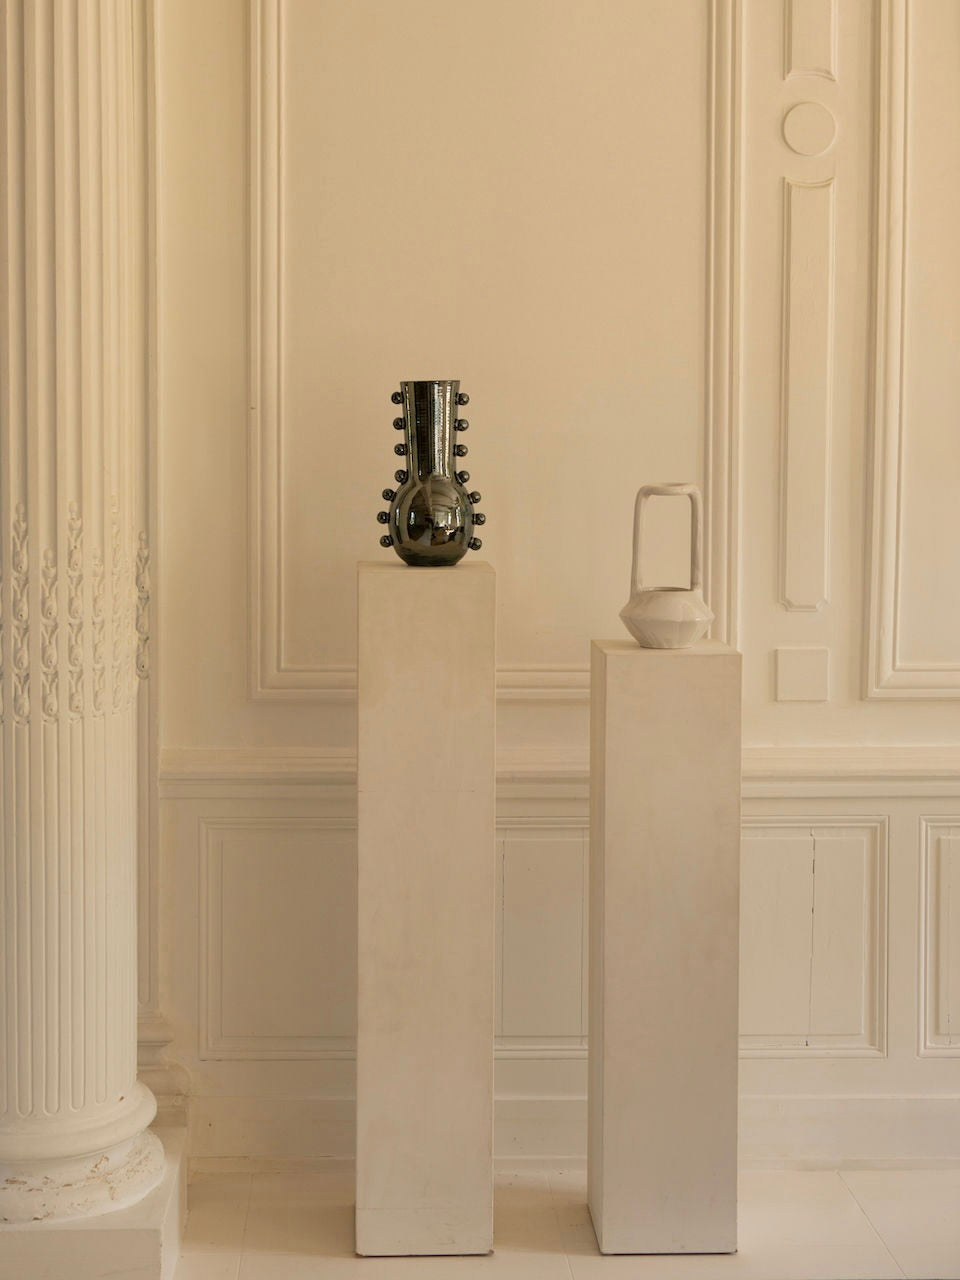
[{"x": 596, "y": 217}]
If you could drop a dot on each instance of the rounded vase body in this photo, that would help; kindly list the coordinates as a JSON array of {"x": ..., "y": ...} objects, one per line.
[{"x": 431, "y": 515}]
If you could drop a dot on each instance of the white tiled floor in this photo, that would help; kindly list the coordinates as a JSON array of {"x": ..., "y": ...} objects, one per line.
[{"x": 793, "y": 1226}]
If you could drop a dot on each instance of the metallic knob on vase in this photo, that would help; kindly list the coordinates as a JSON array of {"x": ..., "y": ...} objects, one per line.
[
  {"x": 401, "y": 477},
  {"x": 397, "y": 397},
  {"x": 479, "y": 518},
  {"x": 398, "y": 424},
  {"x": 474, "y": 544},
  {"x": 383, "y": 517},
  {"x": 474, "y": 497},
  {"x": 386, "y": 541},
  {"x": 400, "y": 449},
  {"x": 460, "y": 450},
  {"x": 463, "y": 477},
  {"x": 389, "y": 495},
  {"x": 461, "y": 424},
  {"x": 462, "y": 398}
]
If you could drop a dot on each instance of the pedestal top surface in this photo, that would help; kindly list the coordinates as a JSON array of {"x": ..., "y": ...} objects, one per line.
[
  {"x": 445, "y": 571},
  {"x": 703, "y": 649}
]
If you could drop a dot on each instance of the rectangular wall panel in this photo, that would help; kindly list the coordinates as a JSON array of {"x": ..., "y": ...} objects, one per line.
[
  {"x": 278, "y": 938},
  {"x": 806, "y": 392},
  {"x": 948, "y": 950},
  {"x": 813, "y": 939},
  {"x": 776, "y": 900},
  {"x": 914, "y": 624},
  {"x": 542, "y": 942},
  {"x": 332, "y": 83},
  {"x": 940, "y": 1031},
  {"x": 842, "y": 953},
  {"x": 810, "y": 38}
]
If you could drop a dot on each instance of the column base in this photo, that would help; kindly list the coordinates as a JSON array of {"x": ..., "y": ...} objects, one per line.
[
  {"x": 141, "y": 1240},
  {"x": 57, "y": 1171}
]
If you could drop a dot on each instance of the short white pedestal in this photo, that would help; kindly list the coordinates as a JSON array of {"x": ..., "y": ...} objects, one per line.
[
  {"x": 426, "y": 909},
  {"x": 664, "y": 899}
]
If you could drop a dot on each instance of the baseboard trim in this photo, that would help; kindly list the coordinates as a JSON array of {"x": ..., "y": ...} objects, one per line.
[
  {"x": 785, "y": 1132},
  {"x": 811, "y": 1132}
]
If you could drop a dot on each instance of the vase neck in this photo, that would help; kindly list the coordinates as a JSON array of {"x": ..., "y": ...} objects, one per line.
[{"x": 429, "y": 410}]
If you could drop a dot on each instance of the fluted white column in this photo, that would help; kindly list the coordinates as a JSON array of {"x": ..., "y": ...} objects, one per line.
[{"x": 73, "y": 414}]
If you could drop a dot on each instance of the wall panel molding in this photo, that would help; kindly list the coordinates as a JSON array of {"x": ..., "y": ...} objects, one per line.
[
  {"x": 722, "y": 555},
  {"x": 806, "y": 392},
  {"x": 810, "y": 38},
  {"x": 560, "y": 778},
  {"x": 888, "y": 674},
  {"x": 216, "y": 1040},
  {"x": 939, "y": 961},
  {"x": 829, "y": 883},
  {"x": 241, "y": 848},
  {"x": 272, "y": 676}
]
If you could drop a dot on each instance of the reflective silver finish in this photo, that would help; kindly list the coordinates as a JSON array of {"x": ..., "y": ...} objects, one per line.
[{"x": 431, "y": 516}]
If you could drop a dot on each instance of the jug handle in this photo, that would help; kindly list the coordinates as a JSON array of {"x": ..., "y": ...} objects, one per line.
[{"x": 696, "y": 530}]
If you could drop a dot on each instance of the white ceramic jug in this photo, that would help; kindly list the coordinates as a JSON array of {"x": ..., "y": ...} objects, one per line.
[{"x": 668, "y": 617}]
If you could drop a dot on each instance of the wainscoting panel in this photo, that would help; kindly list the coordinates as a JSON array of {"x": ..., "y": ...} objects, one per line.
[
  {"x": 543, "y": 943},
  {"x": 776, "y": 897},
  {"x": 278, "y": 938},
  {"x": 813, "y": 938},
  {"x": 263, "y": 904},
  {"x": 940, "y": 940}
]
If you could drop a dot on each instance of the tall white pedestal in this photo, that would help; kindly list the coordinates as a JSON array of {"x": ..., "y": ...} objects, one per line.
[
  {"x": 664, "y": 898},
  {"x": 426, "y": 909}
]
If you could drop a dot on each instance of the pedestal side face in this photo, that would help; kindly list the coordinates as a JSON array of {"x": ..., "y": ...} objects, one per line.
[
  {"x": 666, "y": 805},
  {"x": 595, "y": 1109},
  {"x": 426, "y": 910}
]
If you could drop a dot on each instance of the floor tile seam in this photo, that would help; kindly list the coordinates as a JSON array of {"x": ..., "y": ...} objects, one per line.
[{"x": 873, "y": 1226}]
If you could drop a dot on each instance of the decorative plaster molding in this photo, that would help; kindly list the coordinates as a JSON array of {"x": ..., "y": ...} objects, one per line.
[
  {"x": 832, "y": 769},
  {"x": 20, "y": 609},
  {"x": 74, "y": 610},
  {"x": 51, "y": 659},
  {"x": 870, "y": 1039},
  {"x": 215, "y": 1042},
  {"x": 721, "y": 490},
  {"x": 887, "y": 674},
  {"x": 271, "y": 677},
  {"x": 75, "y": 321},
  {"x": 143, "y": 607},
  {"x": 939, "y": 888},
  {"x": 49, "y": 682},
  {"x": 806, "y": 392},
  {"x": 810, "y": 39}
]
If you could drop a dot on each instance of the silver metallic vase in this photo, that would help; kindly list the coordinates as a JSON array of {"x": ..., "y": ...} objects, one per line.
[{"x": 431, "y": 516}]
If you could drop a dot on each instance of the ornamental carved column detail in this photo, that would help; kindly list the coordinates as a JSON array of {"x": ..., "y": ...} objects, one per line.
[{"x": 74, "y": 598}]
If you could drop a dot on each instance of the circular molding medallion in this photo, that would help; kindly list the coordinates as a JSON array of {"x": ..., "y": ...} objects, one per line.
[{"x": 809, "y": 129}]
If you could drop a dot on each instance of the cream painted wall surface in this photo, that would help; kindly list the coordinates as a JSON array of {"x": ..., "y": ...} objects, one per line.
[
  {"x": 494, "y": 192},
  {"x": 656, "y": 241}
]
